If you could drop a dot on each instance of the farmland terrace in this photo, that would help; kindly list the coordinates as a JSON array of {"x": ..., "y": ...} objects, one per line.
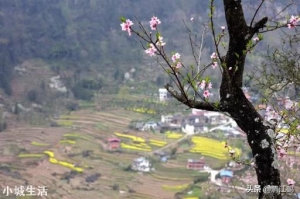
[{"x": 67, "y": 158}]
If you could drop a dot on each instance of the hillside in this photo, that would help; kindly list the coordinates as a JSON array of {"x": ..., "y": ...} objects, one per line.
[
  {"x": 78, "y": 35},
  {"x": 85, "y": 36},
  {"x": 82, "y": 42}
]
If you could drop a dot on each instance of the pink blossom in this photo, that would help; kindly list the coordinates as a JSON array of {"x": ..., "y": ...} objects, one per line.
[
  {"x": 178, "y": 65},
  {"x": 151, "y": 50},
  {"x": 213, "y": 55},
  {"x": 192, "y": 18},
  {"x": 154, "y": 22},
  {"x": 223, "y": 28},
  {"x": 175, "y": 57},
  {"x": 206, "y": 93},
  {"x": 256, "y": 39},
  {"x": 282, "y": 152},
  {"x": 214, "y": 64},
  {"x": 202, "y": 85},
  {"x": 298, "y": 127},
  {"x": 160, "y": 41},
  {"x": 230, "y": 68},
  {"x": 209, "y": 85},
  {"x": 290, "y": 182},
  {"x": 126, "y": 26},
  {"x": 293, "y": 21}
]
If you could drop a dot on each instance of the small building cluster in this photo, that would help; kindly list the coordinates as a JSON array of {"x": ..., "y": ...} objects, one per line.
[{"x": 141, "y": 164}]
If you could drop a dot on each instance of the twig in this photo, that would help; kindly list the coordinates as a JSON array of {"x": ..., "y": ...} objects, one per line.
[{"x": 256, "y": 11}]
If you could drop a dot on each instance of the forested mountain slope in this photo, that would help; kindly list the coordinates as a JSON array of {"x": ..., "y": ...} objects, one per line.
[{"x": 84, "y": 36}]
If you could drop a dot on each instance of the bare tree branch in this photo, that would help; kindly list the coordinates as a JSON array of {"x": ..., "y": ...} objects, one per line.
[
  {"x": 256, "y": 11},
  {"x": 192, "y": 103}
]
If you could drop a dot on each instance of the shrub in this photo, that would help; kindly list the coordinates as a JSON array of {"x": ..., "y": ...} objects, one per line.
[
  {"x": 173, "y": 151},
  {"x": 198, "y": 179},
  {"x": 82, "y": 93},
  {"x": 128, "y": 168},
  {"x": 130, "y": 190},
  {"x": 178, "y": 195},
  {"x": 53, "y": 124},
  {"x": 32, "y": 96},
  {"x": 72, "y": 105},
  {"x": 115, "y": 187}
]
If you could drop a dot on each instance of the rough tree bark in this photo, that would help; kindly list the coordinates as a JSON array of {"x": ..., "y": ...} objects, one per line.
[
  {"x": 236, "y": 104},
  {"x": 260, "y": 134}
]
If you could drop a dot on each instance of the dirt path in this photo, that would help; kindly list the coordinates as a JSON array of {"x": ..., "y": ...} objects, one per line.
[
  {"x": 213, "y": 180},
  {"x": 169, "y": 145}
]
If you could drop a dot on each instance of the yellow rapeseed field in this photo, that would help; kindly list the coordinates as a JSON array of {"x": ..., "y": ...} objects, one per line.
[{"x": 212, "y": 148}]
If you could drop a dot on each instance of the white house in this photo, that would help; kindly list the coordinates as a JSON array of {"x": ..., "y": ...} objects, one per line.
[
  {"x": 149, "y": 126},
  {"x": 189, "y": 129},
  {"x": 141, "y": 164},
  {"x": 166, "y": 118},
  {"x": 163, "y": 94}
]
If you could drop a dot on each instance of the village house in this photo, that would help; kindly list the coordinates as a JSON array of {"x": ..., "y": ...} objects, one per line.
[
  {"x": 113, "y": 143},
  {"x": 188, "y": 129},
  {"x": 226, "y": 176},
  {"x": 166, "y": 118},
  {"x": 150, "y": 126},
  {"x": 195, "y": 119},
  {"x": 141, "y": 164},
  {"x": 214, "y": 118},
  {"x": 177, "y": 121},
  {"x": 195, "y": 164},
  {"x": 163, "y": 127},
  {"x": 163, "y": 94},
  {"x": 172, "y": 121}
]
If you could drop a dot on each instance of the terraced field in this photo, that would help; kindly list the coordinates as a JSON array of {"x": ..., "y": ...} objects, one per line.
[
  {"x": 81, "y": 142},
  {"x": 212, "y": 148}
]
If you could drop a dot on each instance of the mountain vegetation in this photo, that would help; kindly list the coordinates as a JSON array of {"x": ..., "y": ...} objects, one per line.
[{"x": 81, "y": 41}]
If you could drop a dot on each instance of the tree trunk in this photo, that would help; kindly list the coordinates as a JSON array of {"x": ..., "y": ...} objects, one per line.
[
  {"x": 260, "y": 137},
  {"x": 260, "y": 134}
]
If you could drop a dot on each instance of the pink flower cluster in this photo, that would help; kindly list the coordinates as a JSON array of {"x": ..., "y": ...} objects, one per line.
[
  {"x": 151, "y": 50},
  {"x": 126, "y": 26},
  {"x": 204, "y": 85},
  {"x": 160, "y": 41},
  {"x": 214, "y": 59},
  {"x": 293, "y": 21},
  {"x": 154, "y": 22},
  {"x": 290, "y": 182},
  {"x": 176, "y": 60}
]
